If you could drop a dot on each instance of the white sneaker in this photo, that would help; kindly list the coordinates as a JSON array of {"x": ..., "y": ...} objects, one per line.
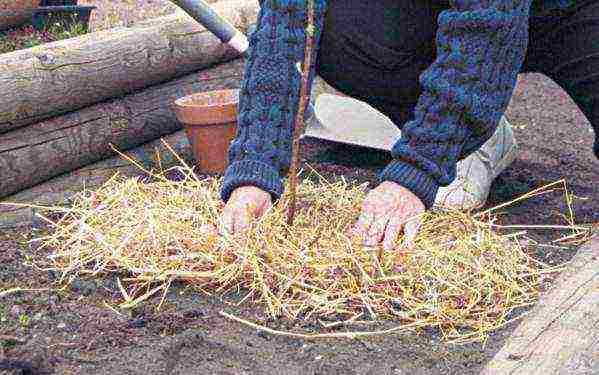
[{"x": 476, "y": 173}]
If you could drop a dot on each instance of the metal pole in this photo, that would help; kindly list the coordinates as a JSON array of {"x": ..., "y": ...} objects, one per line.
[{"x": 200, "y": 11}]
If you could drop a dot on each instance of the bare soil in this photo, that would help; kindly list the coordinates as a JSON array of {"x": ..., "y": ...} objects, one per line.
[{"x": 72, "y": 332}]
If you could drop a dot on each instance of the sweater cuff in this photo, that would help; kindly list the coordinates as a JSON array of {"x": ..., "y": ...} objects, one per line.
[
  {"x": 254, "y": 173},
  {"x": 413, "y": 179}
]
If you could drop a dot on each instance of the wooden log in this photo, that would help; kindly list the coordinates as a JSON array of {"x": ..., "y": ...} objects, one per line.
[
  {"x": 59, "y": 190},
  {"x": 55, "y": 78},
  {"x": 561, "y": 334},
  {"x": 16, "y": 12},
  {"x": 38, "y": 152}
]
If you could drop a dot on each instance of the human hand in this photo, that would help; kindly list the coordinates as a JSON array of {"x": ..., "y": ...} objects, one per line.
[
  {"x": 386, "y": 211},
  {"x": 245, "y": 204}
]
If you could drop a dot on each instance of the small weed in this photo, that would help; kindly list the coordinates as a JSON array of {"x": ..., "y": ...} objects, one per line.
[
  {"x": 24, "y": 320},
  {"x": 65, "y": 31},
  {"x": 34, "y": 41},
  {"x": 3, "y": 314},
  {"x": 7, "y": 344}
]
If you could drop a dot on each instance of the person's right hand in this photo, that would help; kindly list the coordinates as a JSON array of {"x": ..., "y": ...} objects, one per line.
[{"x": 245, "y": 204}]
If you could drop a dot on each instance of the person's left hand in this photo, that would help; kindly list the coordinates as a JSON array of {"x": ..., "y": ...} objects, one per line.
[{"x": 388, "y": 210}]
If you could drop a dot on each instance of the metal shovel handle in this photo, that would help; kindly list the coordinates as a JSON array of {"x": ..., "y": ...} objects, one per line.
[{"x": 200, "y": 11}]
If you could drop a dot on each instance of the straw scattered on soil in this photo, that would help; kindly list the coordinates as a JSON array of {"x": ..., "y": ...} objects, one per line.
[{"x": 461, "y": 277}]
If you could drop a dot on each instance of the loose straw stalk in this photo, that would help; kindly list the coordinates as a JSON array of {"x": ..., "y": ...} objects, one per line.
[
  {"x": 461, "y": 277},
  {"x": 298, "y": 129}
]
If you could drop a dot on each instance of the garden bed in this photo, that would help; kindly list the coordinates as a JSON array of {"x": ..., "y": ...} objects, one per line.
[
  {"x": 73, "y": 331},
  {"x": 28, "y": 36}
]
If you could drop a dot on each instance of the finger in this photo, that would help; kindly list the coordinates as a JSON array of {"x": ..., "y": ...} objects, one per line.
[
  {"x": 349, "y": 231},
  {"x": 376, "y": 231},
  {"x": 411, "y": 228},
  {"x": 362, "y": 225},
  {"x": 394, "y": 228},
  {"x": 226, "y": 221},
  {"x": 264, "y": 207},
  {"x": 242, "y": 219}
]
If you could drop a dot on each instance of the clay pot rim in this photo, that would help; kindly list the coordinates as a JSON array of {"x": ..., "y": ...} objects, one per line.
[
  {"x": 195, "y": 113},
  {"x": 187, "y": 101}
]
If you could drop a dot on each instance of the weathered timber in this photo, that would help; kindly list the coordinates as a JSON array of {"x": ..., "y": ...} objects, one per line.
[
  {"x": 55, "y": 78},
  {"x": 561, "y": 334},
  {"x": 38, "y": 152},
  {"x": 59, "y": 190}
]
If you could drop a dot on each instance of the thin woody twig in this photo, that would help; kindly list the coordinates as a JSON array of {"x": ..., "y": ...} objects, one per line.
[{"x": 298, "y": 128}]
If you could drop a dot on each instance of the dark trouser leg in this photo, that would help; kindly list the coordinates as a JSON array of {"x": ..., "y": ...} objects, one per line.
[
  {"x": 375, "y": 51},
  {"x": 566, "y": 49}
]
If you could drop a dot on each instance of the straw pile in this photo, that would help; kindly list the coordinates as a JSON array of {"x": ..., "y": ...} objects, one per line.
[{"x": 462, "y": 277}]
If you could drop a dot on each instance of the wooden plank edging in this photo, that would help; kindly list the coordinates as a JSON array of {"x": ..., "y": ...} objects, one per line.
[
  {"x": 61, "y": 189},
  {"x": 38, "y": 152},
  {"x": 561, "y": 333}
]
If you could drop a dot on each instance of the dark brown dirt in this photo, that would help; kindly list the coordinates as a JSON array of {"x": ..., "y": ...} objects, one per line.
[{"x": 72, "y": 332}]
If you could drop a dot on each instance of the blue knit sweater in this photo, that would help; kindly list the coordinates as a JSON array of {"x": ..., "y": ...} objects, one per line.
[{"x": 481, "y": 46}]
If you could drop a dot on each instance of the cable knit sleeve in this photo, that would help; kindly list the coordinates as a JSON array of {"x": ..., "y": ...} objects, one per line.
[
  {"x": 269, "y": 96},
  {"x": 481, "y": 46}
]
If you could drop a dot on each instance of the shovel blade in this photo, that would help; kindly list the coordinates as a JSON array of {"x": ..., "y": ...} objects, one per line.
[{"x": 350, "y": 121}]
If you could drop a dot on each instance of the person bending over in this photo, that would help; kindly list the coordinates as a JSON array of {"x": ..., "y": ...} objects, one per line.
[{"x": 442, "y": 71}]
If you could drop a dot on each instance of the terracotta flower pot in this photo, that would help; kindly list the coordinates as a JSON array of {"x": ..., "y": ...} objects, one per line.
[
  {"x": 210, "y": 120},
  {"x": 16, "y": 12}
]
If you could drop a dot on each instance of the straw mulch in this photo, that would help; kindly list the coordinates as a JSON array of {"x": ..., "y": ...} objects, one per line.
[{"x": 461, "y": 277}]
